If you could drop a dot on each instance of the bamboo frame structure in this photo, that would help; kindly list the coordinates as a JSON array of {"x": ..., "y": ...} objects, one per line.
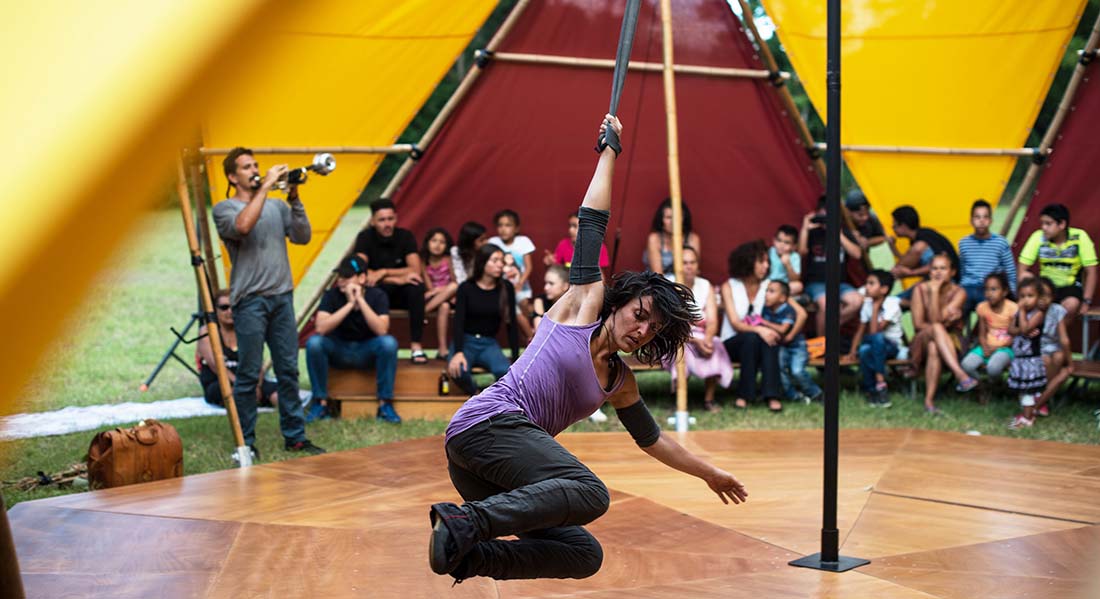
[
  {"x": 653, "y": 67},
  {"x": 244, "y": 454},
  {"x": 10, "y": 578},
  {"x": 425, "y": 141},
  {"x": 938, "y": 151},
  {"x": 194, "y": 179},
  {"x": 1045, "y": 145},
  {"x": 391, "y": 149},
  {"x": 784, "y": 93},
  {"x": 673, "y": 136}
]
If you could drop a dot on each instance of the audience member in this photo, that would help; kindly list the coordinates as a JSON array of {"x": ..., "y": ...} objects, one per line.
[
  {"x": 788, "y": 319},
  {"x": 981, "y": 254},
  {"x": 811, "y": 243},
  {"x": 563, "y": 253},
  {"x": 704, "y": 356},
  {"x": 869, "y": 231},
  {"x": 879, "y": 338},
  {"x": 995, "y": 314},
  {"x": 255, "y": 232},
  {"x": 470, "y": 239},
  {"x": 267, "y": 392},
  {"x": 353, "y": 323},
  {"x": 938, "y": 320},
  {"x": 483, "y": 303},
  {"x": 517, "y": 264},
  {"x": 658, "y": 254},
  {"x": 439, "y": 279},
  {"x": 924, "y": 243},
  {"x": 1066, "y": 255},
  {"x": 555, "y": 284},
  {"x": 1027, "y": 375},
  {"x": 786, "y": 263},
  {"x": 756, "y": 347},
  {"x": 1054, "y": 346},
  {"x": 393, "y": 265}
]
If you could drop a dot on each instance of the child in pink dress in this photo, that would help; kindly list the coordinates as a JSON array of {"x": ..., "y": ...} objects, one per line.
[{"x": 439, "y": 278}]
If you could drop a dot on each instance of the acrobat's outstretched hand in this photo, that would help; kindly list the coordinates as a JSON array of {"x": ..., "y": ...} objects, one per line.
[
  {"x": 609, "y": 137},
  {"x": 727, "y": 487}
]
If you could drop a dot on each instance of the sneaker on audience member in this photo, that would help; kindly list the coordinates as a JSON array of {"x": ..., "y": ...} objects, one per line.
[
  {"x": 1021, "y": 421},
  {"x": 305, "y": 445},
  {"x": 387, "y": 413},
  {"x": 1043, "y": 410},
  {"x": 598, "y": 416}
]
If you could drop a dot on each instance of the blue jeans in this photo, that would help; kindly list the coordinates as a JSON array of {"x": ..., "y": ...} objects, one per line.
[
  {"x": 792, "y": 370},
  {"x": 816, "y": 289},
  {"x": 379, "y": 353},
  {"x": 874, "y": 351},
  {"x": 975, "y": 294},
  {"x": 270, "y": 319},
  {"x": 481, "y": 351}
]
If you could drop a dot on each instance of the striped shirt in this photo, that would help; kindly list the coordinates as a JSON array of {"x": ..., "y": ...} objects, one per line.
[{"x": 979, "y": 258}]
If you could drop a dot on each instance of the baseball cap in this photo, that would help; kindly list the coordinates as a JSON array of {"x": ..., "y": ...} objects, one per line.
[{"x": 351, "y": 266}]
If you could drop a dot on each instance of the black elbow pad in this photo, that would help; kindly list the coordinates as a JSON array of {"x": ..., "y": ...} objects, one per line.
[
  {"x": 591, "y": 227},
  {"x": 640, "y": 423}
]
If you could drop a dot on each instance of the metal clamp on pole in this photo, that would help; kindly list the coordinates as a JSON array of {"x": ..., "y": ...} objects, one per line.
[
  {"x": 1087, "y": 57},
  {"x": 415, "y": 153},
  {"x": 777, "y": 78},
  {"x": 1039, "y": 156},
  {"x": 482, "y": 56}
]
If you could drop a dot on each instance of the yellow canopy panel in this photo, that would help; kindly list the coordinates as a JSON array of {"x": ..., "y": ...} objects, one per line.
[
  {"x": 347, "y": 74},
  {"x": 932, "y": 73}
]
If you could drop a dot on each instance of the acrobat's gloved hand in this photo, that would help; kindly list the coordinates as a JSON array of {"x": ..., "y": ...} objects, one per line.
[{"x": 609, "y": 135}]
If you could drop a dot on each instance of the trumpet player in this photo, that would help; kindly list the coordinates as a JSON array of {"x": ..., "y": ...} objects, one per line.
[{"x": 255, "y": 232}]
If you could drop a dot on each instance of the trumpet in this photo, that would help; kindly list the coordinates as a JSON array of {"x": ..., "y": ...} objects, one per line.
[{"x": 323, "y": 164}]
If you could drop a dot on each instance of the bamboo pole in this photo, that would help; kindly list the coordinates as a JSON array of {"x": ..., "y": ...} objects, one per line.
[
  {"x": 1051, "y": 135},
  {"x": 674, "y": 194},
  {"x": 653, "y": 67},
  {"x": 244, "y": 454},
  {"x": 194, "y": 178},
  {"x": 10, "y": 579},
  {"x": 425, "y": 141},
  {"x": 784, "y": 93},
  {"x": 938, "y": 151},
  {"x": 392, "y": 149}
]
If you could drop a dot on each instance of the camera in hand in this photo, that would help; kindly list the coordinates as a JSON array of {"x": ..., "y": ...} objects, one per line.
[{"x": 819, "y": 219}]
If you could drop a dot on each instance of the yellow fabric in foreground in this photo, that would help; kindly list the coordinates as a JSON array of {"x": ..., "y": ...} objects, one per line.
[
  {"x": 935, "y": 74},
  {"x": 348, "y": 74}
]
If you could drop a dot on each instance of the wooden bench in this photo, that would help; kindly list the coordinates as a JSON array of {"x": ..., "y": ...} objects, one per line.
[
  {"x": 891, "y": 364},
  {"x": 415, "y": 389}
]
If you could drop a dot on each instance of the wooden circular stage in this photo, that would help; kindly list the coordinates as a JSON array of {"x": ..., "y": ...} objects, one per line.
[{"x": 939, "y": 515}]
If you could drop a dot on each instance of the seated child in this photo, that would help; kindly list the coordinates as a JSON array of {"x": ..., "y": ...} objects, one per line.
[
  {"x": 1054, "y": 346},
  {"x": 439, "y": 280},
  {"x": 786, "y": 263},
  {"x": 555, "y": 284},
  {"x": 995, "y": 314},
  {"x": 879, "y": 337},
  {"x": 1027, "y": 375},
  {"x": 787, "y": 318}
]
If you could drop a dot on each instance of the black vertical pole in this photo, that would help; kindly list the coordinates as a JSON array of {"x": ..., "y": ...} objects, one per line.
[{"x": 830, "y": 558}]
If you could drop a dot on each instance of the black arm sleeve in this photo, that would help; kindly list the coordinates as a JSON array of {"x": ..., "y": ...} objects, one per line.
[
  {"x": 513, "y": 330},
  {"x": 460, "y": 315},
  {"x": 591, "y": 227},
  {"x": 640, "y": 423}
]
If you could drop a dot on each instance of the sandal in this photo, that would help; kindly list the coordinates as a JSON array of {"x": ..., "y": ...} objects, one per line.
[
  {"x": 712, "y": 407},
  {"x": 419, "y": 357},
  {"x": 442, "y": 357},
  {"x": 740, "y": 404},
  {"x": 966, "y": 386},
  {"x": 775, "y": 406}
]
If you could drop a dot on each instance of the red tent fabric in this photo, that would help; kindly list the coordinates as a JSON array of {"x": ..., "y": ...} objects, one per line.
[
  {"x": 1069, "y": 177},
  {"x": 523, "y": 137}
]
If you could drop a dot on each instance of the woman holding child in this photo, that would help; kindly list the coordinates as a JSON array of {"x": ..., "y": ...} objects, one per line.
[{"x": 744, "y": 334}]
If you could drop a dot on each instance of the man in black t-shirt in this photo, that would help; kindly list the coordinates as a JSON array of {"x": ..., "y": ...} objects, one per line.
[
  {"x": 352, "y": 325},
  {"x": 924, "y": 244},
  {"x": 869, "y": 231},
  {"x": 393, "y": 265},
  {"x": 811, "y": 244}
]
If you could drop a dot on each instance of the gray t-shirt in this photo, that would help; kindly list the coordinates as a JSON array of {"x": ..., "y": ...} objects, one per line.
[{"x": 260, "y": 263}]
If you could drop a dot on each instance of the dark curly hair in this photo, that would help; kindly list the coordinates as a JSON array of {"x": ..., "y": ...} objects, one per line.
[
  {"x": 742, "y": 260},
  {"x": 658, "y": 224},
  {"x": 674, "y": 302}
]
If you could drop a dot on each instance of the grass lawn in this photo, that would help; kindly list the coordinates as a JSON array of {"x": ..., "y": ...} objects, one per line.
[{"x": 122, "y": 331}]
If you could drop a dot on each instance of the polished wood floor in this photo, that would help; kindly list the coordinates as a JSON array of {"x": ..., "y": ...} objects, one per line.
[{"x": 939, "y": 514}]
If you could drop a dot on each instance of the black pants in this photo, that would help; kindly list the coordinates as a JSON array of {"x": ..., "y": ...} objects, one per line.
[
  {"x": 755, "y": 357},
  {"x": 411, "y": 298},
  {"x": 517, "y": 480}
]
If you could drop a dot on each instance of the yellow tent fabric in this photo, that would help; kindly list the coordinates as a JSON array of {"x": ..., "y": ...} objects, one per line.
[
  {"x": 348, "y": 74},
  {"x": 932, "y": 73}
]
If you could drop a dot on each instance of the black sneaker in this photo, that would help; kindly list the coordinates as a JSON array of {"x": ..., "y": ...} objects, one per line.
[
  {"x": 306, "y": 446},
  {"x": 453, "y": 536}
]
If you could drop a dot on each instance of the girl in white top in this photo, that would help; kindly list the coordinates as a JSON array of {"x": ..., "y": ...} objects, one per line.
[
  {"x": 705, "y": 357},
  {"x": 748, "y": 341}
]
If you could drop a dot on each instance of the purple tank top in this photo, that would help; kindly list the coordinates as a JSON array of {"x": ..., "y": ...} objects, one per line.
[{"x": 553, "y": 383}]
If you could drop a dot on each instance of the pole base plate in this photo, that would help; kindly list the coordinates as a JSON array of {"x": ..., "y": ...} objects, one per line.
[{"x": 843, "y": 563}]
